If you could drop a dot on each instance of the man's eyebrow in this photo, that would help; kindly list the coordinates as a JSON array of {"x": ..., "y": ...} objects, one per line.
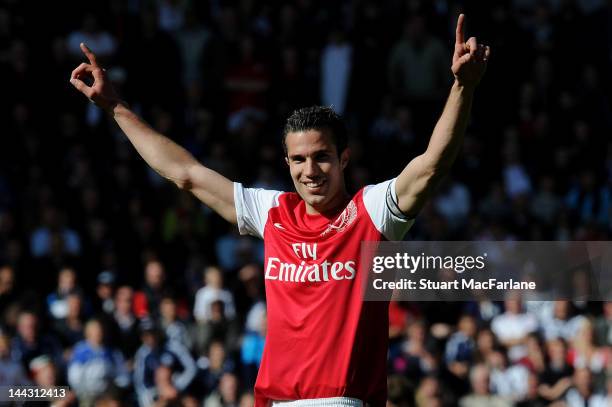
[{"x": 316, "y": 153}]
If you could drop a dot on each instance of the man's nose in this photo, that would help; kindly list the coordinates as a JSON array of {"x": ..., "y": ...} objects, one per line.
[{"x": 311, "y": 169}]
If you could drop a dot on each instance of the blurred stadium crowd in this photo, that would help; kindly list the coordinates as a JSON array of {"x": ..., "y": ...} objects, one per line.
[{"x": 130, "y": 291}]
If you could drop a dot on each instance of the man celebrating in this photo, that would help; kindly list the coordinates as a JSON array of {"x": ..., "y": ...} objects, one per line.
[{"x": 325, "y": 346}]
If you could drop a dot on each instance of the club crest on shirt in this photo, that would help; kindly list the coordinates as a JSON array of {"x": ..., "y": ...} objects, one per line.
[{"x": 348, "y": 216}]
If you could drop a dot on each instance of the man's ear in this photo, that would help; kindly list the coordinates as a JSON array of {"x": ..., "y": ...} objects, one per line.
[
  {"x": 345, "y": 157},
  {"x": 287, "y": 161}
]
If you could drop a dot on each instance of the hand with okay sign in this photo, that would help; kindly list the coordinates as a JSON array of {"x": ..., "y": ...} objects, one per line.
[
  {"x": 101, "y": 91},
  {"x": 469, "y": 59}
]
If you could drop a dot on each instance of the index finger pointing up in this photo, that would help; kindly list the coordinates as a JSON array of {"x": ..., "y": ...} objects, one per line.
[
  {"x": 459, "y": 32},
  {"x": 90, "y": 55}
]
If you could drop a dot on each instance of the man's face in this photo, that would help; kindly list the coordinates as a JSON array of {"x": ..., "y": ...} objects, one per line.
[
  {"x": 154, "y": 274},
  {"x": 7, "y": 279},
  {"x": 123, "y": 300},
  {"x": 316, "y": 169},
  {"x": 26, "y": 326}
]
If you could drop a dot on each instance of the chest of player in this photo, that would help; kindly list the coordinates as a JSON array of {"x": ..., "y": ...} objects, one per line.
[{"x": 303, "y": 252}]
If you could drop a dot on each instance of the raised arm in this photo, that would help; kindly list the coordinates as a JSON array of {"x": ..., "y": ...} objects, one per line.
[
  {"x": 166, "y": 157},
  {"x": 417, "y": 181}
]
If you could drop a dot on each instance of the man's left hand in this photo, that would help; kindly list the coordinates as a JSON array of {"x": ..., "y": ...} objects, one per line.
[{"x": 469, "y": 59}]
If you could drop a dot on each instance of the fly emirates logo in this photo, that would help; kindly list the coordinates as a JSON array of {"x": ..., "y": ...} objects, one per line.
[{"x": 308, "y": 268}]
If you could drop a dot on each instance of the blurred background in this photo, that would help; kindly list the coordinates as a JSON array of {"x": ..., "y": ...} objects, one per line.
[{"x": 133, "y": 293}]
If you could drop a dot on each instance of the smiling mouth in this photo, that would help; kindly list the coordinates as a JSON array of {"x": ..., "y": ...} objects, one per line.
[{"x": 314, "y": 184}]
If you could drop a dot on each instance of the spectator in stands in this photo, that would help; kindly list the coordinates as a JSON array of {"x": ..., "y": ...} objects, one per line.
[
  {"x": 517, "y": 181},
  {"x": 508, "y": 381},
  {"x": 585, "y": 353},
  {"x": 12, "y": 372},
  {"x": 483, "y": 310},
  {"x": 193, "y": 40},
  {"x": 535, "y": 360},
  {"x": 30, "y": 343},
  {"x": 582, "y": 393},
  {"x": 234, "y": 250},
  {"x": 417, "y": 69},
  {"x": 603, "y": 325},
  {"x": 104, "y": 302},
  {"x": 125, "y": 332},
  {"x": 7, "y": 287},
  {"x": 557, "y": 377},
  {"x": 495, "y": 207},
  {"x": 167, "y": 393},
  {"x": 51, "y": 233},
  {"x": 251, "y": 352},
  {"x": 70, "y": 328},
  {"x": 461, "y": 346},
  {"x": 481, "y": 395},
  {"x": 562, "y": 324},
  {"x": 336, "y": 67},
  {"x": 217, "y": 327},
  {"x": 399, "y": 315},
  {"x": 109, "y": 400},
  {"x": 44, "y": 374},
  {"x": 545, "y": 205},
  {"x": 386, "y": 126},
  {"x": 95, "y": 367},
  {"x": 226, "y": 394},
  {"x": 146, "y": 301},
  {"x": 212, "y": 291},
  {"x": 532, "y": 398},
  {"x": 583, "y": 198},
  {"x": 429, "y": 392},
  {"x": 252, "y": 281},
  {"x": 155, "y": 352},
  {"x": 512, "y": 328},
  {"x": 211, "y": 366},
  {"x": 173, "y": 327},
  {"x": 486, "y": 343},
  {"x": 66, "y": 284},
  {"x": 247, "y": 81},
  {"x": 400, "y": 393},
  {"x": 453, "y": 203},
  {"x": 416, "y": 359},
  {"x": 247, "y": 399}
]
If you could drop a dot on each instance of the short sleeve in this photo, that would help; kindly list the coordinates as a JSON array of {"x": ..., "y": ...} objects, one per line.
[
  {"x": 252, "y": 206},
  {"x": 380, "y": 201}
]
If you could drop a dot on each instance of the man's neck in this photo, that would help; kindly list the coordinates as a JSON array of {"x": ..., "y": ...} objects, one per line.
[{"x": 332, "y": 208}]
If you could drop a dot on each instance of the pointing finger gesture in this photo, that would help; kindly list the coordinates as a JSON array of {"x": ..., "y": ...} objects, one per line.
[
  {"x": 469, "y": 57},
  {"x": 90, "y": 55},
  {"x": 459, "y": 41}
]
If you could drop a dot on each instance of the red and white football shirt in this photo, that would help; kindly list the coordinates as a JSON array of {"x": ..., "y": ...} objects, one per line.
[{"x": 323, "y": 340}]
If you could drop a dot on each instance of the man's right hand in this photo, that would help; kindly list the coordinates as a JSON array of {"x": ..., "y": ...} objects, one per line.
[
  {"x": 162, "y": 154},
  {"x": 101, "y": 92}
]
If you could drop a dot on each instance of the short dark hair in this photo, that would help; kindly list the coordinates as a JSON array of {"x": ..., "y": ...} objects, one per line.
[{"x": 318, "y": 118}]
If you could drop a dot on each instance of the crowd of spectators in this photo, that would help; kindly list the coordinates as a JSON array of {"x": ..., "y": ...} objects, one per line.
[{"x": 131, "y": 292}]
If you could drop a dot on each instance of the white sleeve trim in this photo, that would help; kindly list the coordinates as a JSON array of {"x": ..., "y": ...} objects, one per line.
[
  {"x": 381, "y": 203},
  {"x": 252, "y": 207}
]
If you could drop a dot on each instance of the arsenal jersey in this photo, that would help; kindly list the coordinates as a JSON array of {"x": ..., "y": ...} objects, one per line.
[{"x": 323, "y": 340}]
